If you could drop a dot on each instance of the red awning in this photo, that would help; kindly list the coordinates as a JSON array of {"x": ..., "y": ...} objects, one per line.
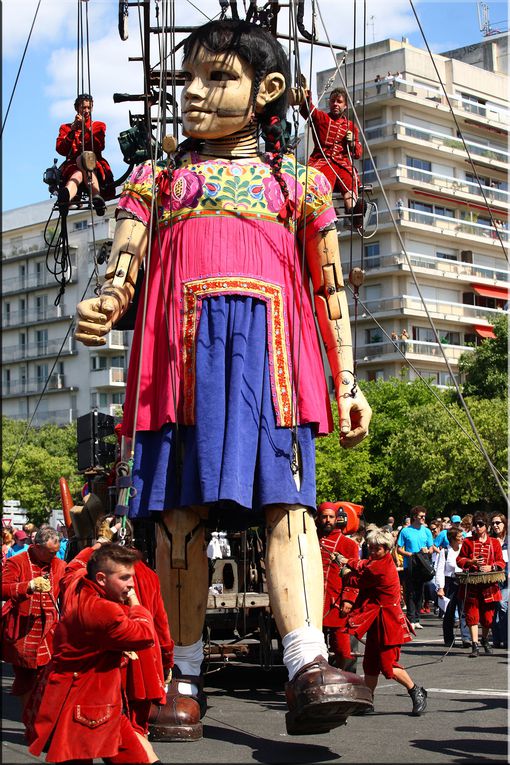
[
  {"x": 499, "y": 293},
  {"x": 485, "y": 331}
]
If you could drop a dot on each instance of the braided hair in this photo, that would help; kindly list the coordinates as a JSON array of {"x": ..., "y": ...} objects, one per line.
[{"x": 264, "y": 53}]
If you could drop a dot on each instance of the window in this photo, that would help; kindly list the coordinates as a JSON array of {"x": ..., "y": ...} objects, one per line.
[
  {"x": 372, "y": 292},
  {"x": 118, "y": 398},
  {"x": 422, "y": 207},
  {"x": 40, "y": 273},
  {"x": 375, "y": 374},
  {"x": 368, "y": 173},
  {"x": 118, "y": 361},
  {"x": 7, "y": 314},
  {"x": 41, "y": 374},
  {"x": 372, "y": 255},
  {"x": 447, "y": 255},
  {"x": 473, "y": 104},
  {"x": 22, "y": 341},
  {"x": 374, "y": 128},
  {"x": 41, "y": 339},
  {"x": 373, "y": 335},
  {"x": 22, "y": 310},
  {"x": 419, "y": 164},
  {"x": 80, "y": 225},
  {"x": 22, "y": 274},
  {"x": 7, "y": 381},
  {"x": 41, "y": 306},
  {"x": 449, "y": 338},
  {"x": 97, "y": 363}
]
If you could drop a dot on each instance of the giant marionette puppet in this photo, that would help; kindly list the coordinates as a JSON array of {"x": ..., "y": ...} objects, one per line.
[{"x": 226, "y": 379}]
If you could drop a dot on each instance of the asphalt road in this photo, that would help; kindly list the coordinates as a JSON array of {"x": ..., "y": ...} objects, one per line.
[{"x": 466, "y": 721}]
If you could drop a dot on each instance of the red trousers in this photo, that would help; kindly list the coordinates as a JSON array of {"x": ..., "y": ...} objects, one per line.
[
  {"x": 340, "y": 178},
  {"x": 339, "y": 643},
  {"x": 378, "y": 659}
]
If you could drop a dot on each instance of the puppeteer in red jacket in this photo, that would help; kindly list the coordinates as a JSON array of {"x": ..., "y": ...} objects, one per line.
[
  {"x": 84, "y": 135},
  {"x": 480, "y": 554},
  {"x": 338, "y": 597},
  {"x": 30, "y": 589},
  {"x": 78, "y": 710},
  {"x": 336, "y": 145},
  {"x": 143, "y": 679}
]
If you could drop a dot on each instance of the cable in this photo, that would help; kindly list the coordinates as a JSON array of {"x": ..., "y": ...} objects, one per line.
[{"x": 20, "y": 67}]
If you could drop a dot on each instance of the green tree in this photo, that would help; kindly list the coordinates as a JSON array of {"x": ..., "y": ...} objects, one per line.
[
  {"x": 341, "y": 474},
  {"x": 486, "y": 368},
  {"x": 33, "y": 461},
  {"x": 431, "y": 462}
]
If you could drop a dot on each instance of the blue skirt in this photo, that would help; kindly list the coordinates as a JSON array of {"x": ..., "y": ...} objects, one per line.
[{"x": 234, "y": 456}]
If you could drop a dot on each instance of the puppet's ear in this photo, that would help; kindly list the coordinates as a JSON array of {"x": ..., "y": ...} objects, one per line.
[{"x": 271, "y": 88}]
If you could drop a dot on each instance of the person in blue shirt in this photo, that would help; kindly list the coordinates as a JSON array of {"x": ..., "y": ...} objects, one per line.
[
  {"x": 414, "y": 538},
  {"x": 441, "y": 540},
  {"x": 21, "y": 543}
]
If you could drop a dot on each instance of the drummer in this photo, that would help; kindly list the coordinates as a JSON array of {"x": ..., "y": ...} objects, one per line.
[{"x": 480, "y": 555}]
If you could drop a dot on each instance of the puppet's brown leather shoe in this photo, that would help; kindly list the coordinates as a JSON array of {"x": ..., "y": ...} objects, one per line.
[
  {"x": 179, "y": 718},
  {"x": 321, "y": 697}
]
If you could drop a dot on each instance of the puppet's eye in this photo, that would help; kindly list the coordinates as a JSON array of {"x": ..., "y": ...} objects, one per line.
[{"x": 220, "y": 75}]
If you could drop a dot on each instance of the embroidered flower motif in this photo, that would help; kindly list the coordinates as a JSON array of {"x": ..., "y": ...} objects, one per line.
[
  {"x": 321, "y": 185},
  {"x": 211, "y": 189},
  {"x": 256, "y": 190},
  {"x": 141, "y": 173},
  {"x": 186, "y": 189}
]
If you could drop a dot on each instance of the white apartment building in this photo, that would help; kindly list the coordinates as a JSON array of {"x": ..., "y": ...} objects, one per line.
[
  {"x": 44, "y": 371},
  {"x": 430, "y": 204}
]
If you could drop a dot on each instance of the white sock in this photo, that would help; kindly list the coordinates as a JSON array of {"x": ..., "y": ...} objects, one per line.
[
  {"x": 188, "y": 659},
  {"x": 302, "y": 646}
]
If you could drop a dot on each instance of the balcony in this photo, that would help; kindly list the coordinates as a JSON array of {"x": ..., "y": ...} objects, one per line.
[
  {"x": 439, "y": 183},
  {"x": 34, "y": 385},
  {"x": 116, "y": 340},
  {"x": 486, "y": 113},
  {"x": 407, "y": 305},
  {"x": 34, "y": 281},
  {"x": 389, "y": 351},
  {"x": 36, "y": 315},
  {"x": 114, "y": 377},
  {"x": 454, "y": 269},
  {"x": 455, "y": 228},
  {"x": 389, "y": 132},
  {"x": 39, "y": 350},
  {"x": 56, "y": 417}
]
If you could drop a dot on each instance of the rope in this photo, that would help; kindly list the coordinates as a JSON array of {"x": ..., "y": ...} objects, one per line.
[{"x": 20, "y": 67}]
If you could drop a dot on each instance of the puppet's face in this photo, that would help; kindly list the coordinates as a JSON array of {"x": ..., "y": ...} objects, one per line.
[{"x": 217, "y": 97}]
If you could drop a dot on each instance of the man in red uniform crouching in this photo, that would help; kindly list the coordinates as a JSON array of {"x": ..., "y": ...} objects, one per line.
[
  {"x": 377, "y": 613},
  {"x": 77, "y": 711},
  {"x": 338, "y": 599}
]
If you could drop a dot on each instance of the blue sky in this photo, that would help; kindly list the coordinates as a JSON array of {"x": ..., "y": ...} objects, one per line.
[{"x": 47, "y": 85}]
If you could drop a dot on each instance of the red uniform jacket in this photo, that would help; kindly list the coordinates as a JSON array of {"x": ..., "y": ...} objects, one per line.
[
  {"x": 334, "y": 588},
  {"x": 143, "y": 678},
  {"x": 70, "y": 145},
  {"x": 492, "y": 554},
  {"x": 81, "y": 703},
  {"x": 330, "y": 137},
  {"x": 29, "y": 621},
  {"x": 378, "y": 601}
]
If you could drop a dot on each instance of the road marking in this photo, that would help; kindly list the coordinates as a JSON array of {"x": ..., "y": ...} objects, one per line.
[{"x": 480, "y": 692}]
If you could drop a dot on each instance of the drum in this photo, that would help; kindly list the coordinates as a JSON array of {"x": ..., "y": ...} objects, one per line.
[{"x": 481, "y": 577}]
